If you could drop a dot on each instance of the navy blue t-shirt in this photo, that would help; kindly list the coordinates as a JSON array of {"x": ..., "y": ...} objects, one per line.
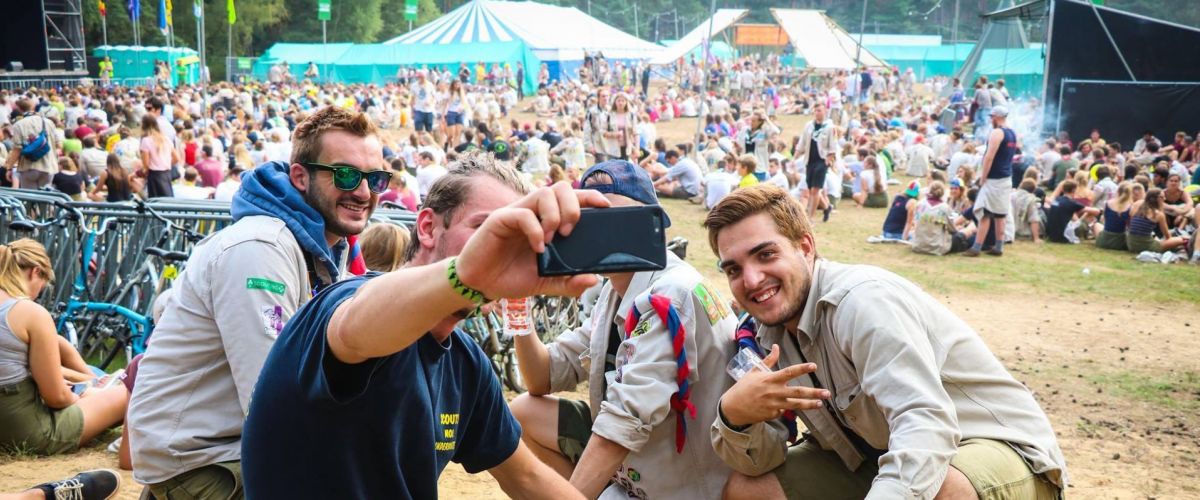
[{"x": 385, "y": 428}]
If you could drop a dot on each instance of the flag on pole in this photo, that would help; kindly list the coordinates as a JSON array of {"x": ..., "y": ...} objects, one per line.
[
  {"x": 232, "y": 11},
  {"x": 170, "y": 11},
  {"x": 134, "y": 7},
  {"x": 103, "y": 8},
  {"x": 162, "y": 16},
  {"x": 198, "y": 9}
]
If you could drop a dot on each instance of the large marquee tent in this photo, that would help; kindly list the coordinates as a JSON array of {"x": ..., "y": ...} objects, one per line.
[{"x": 560, "y": 37}]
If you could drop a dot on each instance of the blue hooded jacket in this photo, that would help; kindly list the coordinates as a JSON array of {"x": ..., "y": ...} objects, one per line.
[{"x": 267, "y": 190}]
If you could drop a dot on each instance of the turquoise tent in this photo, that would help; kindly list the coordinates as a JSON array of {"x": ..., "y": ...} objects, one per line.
[
  {"x": 298, "y": 55},
  {"x": 925, "y": 61},
  {"x": 1021, "y": 69},
  {"x": 131, "y": 64},
  {"x": 378, "y": 63}
]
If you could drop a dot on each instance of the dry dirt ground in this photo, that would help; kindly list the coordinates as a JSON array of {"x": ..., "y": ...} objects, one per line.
[{"x": 1113, "y": 360}]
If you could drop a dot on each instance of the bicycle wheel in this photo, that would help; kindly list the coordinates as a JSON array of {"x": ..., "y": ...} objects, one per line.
[
  {"x": 512, "y": 372},
  {"x": 554, "y": 315},
  {"x": 106, "y": 335}
]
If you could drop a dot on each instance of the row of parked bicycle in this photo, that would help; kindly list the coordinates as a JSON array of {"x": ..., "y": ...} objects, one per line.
[{"x": 112, "y": 260}]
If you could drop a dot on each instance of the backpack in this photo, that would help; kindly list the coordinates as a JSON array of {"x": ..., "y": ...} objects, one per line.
[{"x": 39, "y": 147}]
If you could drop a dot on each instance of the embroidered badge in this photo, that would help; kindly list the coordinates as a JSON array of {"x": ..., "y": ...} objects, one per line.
[
  {"x": 272, "y": 318},
  {"x": 714, "y": 305},
  {"x": 274, "y": 287},
  {"x": 641, "y": 328}
]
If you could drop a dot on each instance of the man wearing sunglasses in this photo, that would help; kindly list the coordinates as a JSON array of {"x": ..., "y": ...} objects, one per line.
[{"x": 240, "y": 288}]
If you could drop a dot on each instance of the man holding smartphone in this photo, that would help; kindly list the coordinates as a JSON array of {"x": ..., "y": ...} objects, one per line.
[
  {"x": 371, "y": 389},
  {"x": 901, "y": 398},
  {"x": 654, "y": 356}
]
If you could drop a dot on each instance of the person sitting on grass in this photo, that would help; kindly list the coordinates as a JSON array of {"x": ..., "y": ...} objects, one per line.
[
  {"x": 933, "y": 225},
  {"x": 39, "y": 413},
  {"x": 1063, "y": 210},
  {"x": 1027, "y": 211},
  {"x": 1110, "y": 235},
  {"x": 958, "y": 197},
  {"x": 872, "y": 192},
  {"x": 899, "y": 217},
  {"x": 746, "y": 165},
  {"x": 1181, "y": 211},
  {"x": 1148, "y": 216}
]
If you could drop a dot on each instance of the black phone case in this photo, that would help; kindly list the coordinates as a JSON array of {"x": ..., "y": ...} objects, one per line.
[{"x": 609, "y": 240}]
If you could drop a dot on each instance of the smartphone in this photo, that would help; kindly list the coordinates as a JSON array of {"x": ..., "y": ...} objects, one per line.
[{"x": 609, "y": 240}]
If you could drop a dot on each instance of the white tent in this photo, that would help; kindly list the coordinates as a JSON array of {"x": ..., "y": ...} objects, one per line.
[
  {"x": 556, "y": 35},
  {"x": 721, "y": 20},
  {"x": 820, "y": 41}
]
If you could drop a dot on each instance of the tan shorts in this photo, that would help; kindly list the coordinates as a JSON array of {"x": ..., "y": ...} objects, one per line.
[
  {"x": 219, "y": 481},
  {"x": 995, "y": 470}
]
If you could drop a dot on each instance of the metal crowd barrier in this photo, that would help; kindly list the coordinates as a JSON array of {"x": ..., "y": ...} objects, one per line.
[{"x": 120, "y": 250}]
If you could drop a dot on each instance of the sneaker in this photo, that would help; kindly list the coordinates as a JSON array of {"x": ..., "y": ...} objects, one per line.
[
  {"x": 99, "y": 484},
  {"x": 994, "y": 252},
  {"x": 698, "y": 199},
  {"x": 115, "y": 446},
  {"x": 875, "y": 239},
  {"x": 970, "y": 252},
  {"x": 828, "y": 210}
]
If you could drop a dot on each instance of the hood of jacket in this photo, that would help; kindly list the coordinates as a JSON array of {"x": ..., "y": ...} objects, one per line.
[{"x": 267, "y": 190}]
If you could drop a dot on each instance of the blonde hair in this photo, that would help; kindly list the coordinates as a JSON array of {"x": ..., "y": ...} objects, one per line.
[
  {"x": 383, "y": 246},
  {"x": 15, "y": 259},
  {"x": 936, "y": 190},
  {"x": 789, "y": 216}
]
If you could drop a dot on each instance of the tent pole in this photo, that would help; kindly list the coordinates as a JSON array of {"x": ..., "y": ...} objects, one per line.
[
  {"x": 712, "y": 13},
  {"x": 636, "y": 30},
  {"x": 862, "y": 26}
]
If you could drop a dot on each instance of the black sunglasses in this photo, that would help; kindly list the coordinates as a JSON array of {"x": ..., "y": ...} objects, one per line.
[{"x": 348, "y": 178}]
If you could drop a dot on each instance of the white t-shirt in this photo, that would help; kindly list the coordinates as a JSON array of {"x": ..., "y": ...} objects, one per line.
[
  {"x": 426, "y": 176},
  {"x": 716, "y": 186},
  {"x": 425, "y": 97},
  {"x": 959, "y": 160},
  {"x": 779, "y": 179},
  {"x": 226, "y": 189}
]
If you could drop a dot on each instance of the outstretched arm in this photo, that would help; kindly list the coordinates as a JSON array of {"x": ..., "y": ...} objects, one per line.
[{"x": 524, "y": 476}]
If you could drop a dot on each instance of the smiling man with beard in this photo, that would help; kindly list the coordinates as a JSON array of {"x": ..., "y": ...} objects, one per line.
[
  {"x": 914, "y": 405},
  {"x": 240, "y": 288}
]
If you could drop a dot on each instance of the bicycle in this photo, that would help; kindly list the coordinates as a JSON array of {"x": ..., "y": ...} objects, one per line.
[
  {"x": 487, "y": 330},
  {"x": 108, "y": 333}
]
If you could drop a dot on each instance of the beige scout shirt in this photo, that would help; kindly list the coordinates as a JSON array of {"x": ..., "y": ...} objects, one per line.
[
  {"x": 907, "y": 375},
  {"x": 635, "y": 411}
]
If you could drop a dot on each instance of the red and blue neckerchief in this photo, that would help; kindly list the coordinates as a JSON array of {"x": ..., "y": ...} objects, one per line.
[
  {"x": 745, "y": 337},
  {"x": 358, "y": 266},
  {"x": 680, "y": 401}
]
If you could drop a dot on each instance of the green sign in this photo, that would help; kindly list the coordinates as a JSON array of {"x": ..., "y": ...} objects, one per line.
[
  {"x": 244, "y": 63},
  {"x": 324, "y": 9},
  {"x": 410, "y": 10}
]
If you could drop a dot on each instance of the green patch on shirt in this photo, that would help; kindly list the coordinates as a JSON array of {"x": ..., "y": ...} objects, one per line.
[
  {"x": 640, "y": 329},
  {"x": 265, "y": 284},
  {"x": 714, "y": 305}
]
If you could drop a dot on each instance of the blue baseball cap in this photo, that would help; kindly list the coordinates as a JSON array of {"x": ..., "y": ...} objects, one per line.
[{"x": 628, "y": 180}]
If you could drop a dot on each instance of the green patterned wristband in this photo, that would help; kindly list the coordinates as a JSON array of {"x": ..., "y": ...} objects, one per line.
[{"x": 471, "y": 294}]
